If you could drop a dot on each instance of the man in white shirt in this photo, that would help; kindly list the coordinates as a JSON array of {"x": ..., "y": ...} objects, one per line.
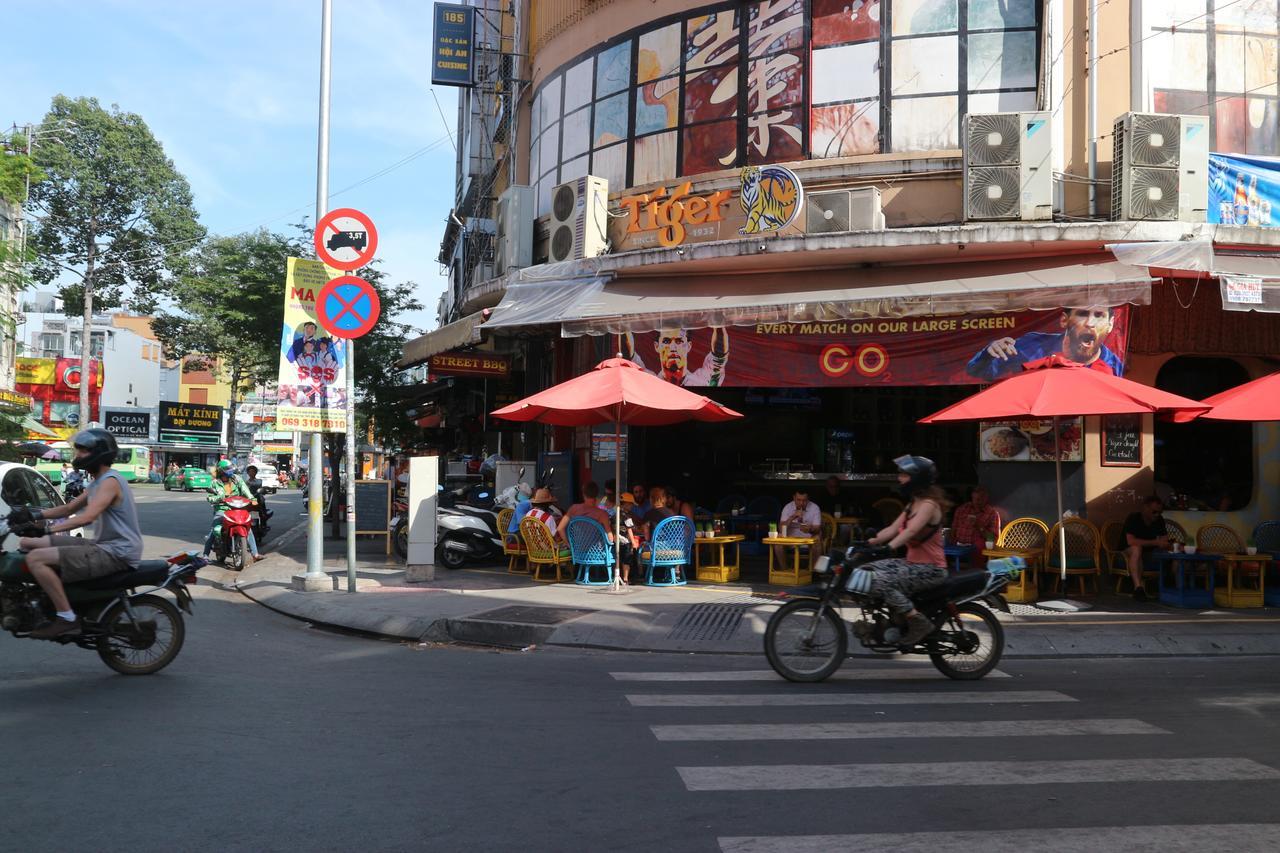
[{"x": 801, "y": 517}]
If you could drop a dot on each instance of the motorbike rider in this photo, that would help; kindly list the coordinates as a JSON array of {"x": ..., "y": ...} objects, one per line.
[
  {"x": 227, "y": 483},
  {"x": 55, "y": 559},
  {"x": 919, "y": 528},
  {"x": 255, "y": 486},
  {"x": 72, "y": 483}
]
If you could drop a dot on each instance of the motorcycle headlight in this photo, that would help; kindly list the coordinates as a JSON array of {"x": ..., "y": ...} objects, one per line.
[{"x": 822, "y": 565}]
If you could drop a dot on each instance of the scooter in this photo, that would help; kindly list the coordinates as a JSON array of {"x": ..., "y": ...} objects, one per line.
[
  {"x": 231, "y": 531},
  {"x": 466, "y": 532}
]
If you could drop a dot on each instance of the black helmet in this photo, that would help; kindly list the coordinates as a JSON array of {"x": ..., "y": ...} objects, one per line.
[
  {"x": 102, "y": 449},
  {"x": 921, "y": 470}
]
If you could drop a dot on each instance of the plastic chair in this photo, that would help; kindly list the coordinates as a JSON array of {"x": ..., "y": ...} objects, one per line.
[
  {"x": 1026, "y": 536},
  {"x": 515, "y": 552},
  {"x": 888, "y": 509},
  {"x": 670, "y": 546},
  {"x": 542, "y": 551},
  {"x": 590, "y": 549},
  {"x": 1083, "y": 552},
  {"x": 828, "y": 533}
]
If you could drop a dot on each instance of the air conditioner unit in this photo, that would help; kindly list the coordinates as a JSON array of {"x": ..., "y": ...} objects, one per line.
[
  {"x": 1160, "y": 167},
  {"x": 1008, "y": 166},
  {"x": 843, "y": 210},
  {"x": 579, "y": 219},
  {"x": 515, "y": 229}
]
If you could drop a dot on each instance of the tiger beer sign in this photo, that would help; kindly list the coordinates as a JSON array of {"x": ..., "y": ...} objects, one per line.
[{"x": 667, "y": 218}]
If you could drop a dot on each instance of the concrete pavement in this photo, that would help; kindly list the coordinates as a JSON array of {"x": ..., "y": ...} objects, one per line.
[{"x": 491, "y": 607}]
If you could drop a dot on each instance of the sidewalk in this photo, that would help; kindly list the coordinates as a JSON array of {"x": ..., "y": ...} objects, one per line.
[{"x": 489, "y": 607}]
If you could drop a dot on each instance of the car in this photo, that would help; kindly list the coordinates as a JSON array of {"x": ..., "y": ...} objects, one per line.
[
  {"x": 188, "y": 479},
  {"x": 270, "y": 479},
  {"x": 22, "y": 485}
]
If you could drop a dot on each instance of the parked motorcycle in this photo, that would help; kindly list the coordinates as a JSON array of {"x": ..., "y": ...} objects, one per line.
[
  {"x": 807, "y": 638},
  {"x": 134, "y": 632},
  {"x": 231, "y": 530}
]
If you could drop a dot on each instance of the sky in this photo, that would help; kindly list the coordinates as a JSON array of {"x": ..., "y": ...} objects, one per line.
[{"x": 231, "y": 90}]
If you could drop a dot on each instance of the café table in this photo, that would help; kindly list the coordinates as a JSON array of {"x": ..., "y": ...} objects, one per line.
[
  {"x": 1237, "y": 567},
  {"x": 1183, "y": 570},
  {"x": 716, "y": 568},
  {"x": 799, "y": 546},
  {"x": 845, "y": 525},
  {"x": 1025, "y": 588},
  {"x": 958, "y": 553}
]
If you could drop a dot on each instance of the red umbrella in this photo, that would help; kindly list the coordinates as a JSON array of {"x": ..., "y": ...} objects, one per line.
[
  {"x": 1258, "y": 400},
  {"x": 616, "y": 391},
  {"x": 1057, "y": 387}
]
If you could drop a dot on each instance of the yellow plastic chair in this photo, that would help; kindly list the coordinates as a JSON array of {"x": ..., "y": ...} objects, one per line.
[
  {"x": 1084, "y": 552},
  {"x": 516, "y": 552},
  {"x": 543, "y": 553},
  {"x": 1025, "y": 538},
  {"x": 828, "y": 535}
]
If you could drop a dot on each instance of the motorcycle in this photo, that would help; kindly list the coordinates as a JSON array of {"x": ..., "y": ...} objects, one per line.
[
  {"x": 134, "y": 632},
  {"x": 231, "y": 530},
  {"x": 807, "y": 638},
  {"x": 400, "y": 525},
  {"x": 72, "y": 488},
  {"x": 465, "y": 532}
]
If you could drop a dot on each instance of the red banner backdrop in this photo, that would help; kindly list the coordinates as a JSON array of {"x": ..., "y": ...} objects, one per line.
[{"x": 955, "y": 350}]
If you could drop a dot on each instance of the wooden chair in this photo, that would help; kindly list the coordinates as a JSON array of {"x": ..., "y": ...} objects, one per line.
[
  {"x": 1024, "y": 537},
  {"x": 543, "y": 553},
  {"x": 828, "y": 536},
  {"x": 886, "y": 510},
  {"x": 1218, "y": 539},
  {"x": 1083, "y": 552},
  {"x": 514, "y": 550},
  {"x": 1176, "y": 532}
]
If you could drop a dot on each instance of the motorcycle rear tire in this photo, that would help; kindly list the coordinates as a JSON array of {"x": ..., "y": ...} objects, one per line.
[
  {"x": 996, "y": 630},
  {"x": 802, "y": 609},
  {"x": 452, "y": 558},
  {"x": 161, "y": 609},
  {"x": 400, "y": 537}
]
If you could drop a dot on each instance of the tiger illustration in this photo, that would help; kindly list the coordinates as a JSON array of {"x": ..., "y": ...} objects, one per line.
[{"x": 771, "y": 197}]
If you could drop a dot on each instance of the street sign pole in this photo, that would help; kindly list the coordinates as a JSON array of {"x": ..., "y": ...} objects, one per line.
[
  {"x": 315, "y": 576},
  {"x": 351, "y": 466}
]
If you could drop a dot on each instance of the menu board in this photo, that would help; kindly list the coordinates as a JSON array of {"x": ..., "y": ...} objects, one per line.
[
  {"x": 373, "y": 506},
  {"x": 1030, "y": 440},
  {"x": 1122, "y": 440}
]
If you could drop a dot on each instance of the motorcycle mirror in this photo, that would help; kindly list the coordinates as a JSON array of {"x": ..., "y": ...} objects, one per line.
[
  {"x": 520, "y": 476},
  {"x": 821, "y": 565}
]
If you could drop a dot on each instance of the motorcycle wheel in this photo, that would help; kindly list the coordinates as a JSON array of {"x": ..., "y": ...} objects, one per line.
[
  {"x": 239, "y": 551},
  {"x": 972, "y": 619},
  {"x": 451, "y": 558},
  {"x": 400, "y": 537},
  {"x": 793, "y": 656},
  {"x": 144, "y": 648},
  {"x": 167, "y": 487}
]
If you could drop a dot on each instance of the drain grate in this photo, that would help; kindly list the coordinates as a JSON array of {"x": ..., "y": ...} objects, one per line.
[
  {"x": 708, "y": 622},
  {"x": 531, "y": 615}
]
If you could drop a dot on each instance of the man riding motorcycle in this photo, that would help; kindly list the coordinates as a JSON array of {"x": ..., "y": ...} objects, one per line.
[
  {"x": 255, "y": 486},
  {"x": 227, "y": 483}
]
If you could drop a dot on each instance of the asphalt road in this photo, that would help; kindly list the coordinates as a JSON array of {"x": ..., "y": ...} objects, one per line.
[
  {"x": 179, "y": 521},
  {"x": 268, "y": 735}
]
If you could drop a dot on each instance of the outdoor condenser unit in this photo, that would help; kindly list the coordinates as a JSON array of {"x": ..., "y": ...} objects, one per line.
[
  {"x": 515, "y": 229},
  {"x": 1160, "y": 167},
  {"x": 1008, "y": 166},
  {"x": 833, "y": 211},
  {"x": 579, "y": 219}
]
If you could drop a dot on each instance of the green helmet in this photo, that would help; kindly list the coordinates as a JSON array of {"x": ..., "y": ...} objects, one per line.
[{"x": 224, "y": 468}]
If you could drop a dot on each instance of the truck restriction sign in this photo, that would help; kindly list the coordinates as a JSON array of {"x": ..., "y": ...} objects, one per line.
[{"x": 345, "y": 239}]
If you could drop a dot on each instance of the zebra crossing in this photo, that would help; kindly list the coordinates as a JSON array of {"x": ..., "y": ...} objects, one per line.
[{"x": 1011, "y": 726}]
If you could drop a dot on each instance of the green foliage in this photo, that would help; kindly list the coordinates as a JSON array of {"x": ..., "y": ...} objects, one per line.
[
  {"x": 11, "y": 432},
  {"x": 16, "y": 169},
  {"x": 113, "y": 213}
]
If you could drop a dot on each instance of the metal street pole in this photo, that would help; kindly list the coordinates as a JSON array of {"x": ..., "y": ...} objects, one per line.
[
  {"x": 351, "y": 465},
  {"x": 315, "y": 465}
]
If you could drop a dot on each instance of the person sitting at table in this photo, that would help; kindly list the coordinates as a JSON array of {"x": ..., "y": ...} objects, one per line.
[
  {"x": 610, "y": 499},
  {"x": 589, "y": 508},
  {"x": 1144, "y": 533},
  {"x": 658, "y": 512},
  {"x": 632, "y": 537},
  {"x": 831, "y": 494},
  {"x": 973, "y": 522},
  {"x": 643, "y": 501},
  {"x": 540, "y": 508},
  {"x": 522, "y": 509},
  {"x": 800, "y": 518},
  {"x": 678, "y": 505}
]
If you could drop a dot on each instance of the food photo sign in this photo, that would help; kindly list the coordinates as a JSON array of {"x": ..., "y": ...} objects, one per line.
[{"x": 1030, "y": 440}]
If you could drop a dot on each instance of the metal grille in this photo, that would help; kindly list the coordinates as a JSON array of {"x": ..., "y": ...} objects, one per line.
[{"x": 708, "y": 622}]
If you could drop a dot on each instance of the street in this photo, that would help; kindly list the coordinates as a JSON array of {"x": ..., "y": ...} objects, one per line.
[{"x": 268, "y": 734}]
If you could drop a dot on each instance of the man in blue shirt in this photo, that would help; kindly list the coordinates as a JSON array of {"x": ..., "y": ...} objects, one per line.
[
  {"x": 522, "y": 509},
  {"x": 1083, "y": 331}
]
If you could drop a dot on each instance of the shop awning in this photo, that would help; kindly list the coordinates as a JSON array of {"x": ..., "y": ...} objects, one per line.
[
  {"x": 601, "y": 306},
  {"x": 459, "y": 333}
]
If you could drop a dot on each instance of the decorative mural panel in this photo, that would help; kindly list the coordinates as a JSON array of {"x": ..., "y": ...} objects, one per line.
[{"x": 770, "y": 81}]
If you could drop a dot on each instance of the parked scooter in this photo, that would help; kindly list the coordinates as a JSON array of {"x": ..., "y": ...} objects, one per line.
[{"x": 465, "y": 532}]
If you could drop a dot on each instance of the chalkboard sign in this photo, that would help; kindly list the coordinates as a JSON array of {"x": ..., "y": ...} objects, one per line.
[
  {"x": 1122, "y": 440},
  {"x": 373, "y": 506}
]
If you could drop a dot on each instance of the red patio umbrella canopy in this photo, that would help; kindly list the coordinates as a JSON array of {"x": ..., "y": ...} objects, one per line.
[
  {"x": 1058, "y": 387},
  {"x": 1258, "y": 400},
  {"x": 616, "y": 390}
]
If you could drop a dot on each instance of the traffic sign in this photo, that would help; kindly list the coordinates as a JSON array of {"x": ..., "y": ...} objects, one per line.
[
  {"x": 345, "y": 239},
  {"x": 347, "y": 306}
]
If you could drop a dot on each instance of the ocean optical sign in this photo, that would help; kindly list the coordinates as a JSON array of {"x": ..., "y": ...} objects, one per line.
[{"x": 453, "y": 45}]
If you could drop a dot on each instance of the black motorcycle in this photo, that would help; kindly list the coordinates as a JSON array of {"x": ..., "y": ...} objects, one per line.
[
  {"x": 807, "y": 638},
  {"x": 134, "y": 630}
]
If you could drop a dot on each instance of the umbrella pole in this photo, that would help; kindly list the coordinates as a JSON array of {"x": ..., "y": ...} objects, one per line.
[
  {"x": 1062, "y": 533},
  {"x": 617, "y": 502}
]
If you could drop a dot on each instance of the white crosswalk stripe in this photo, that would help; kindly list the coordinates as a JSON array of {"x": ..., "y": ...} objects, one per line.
[
  {"x": 758, "y": 700},
  {"x": 821, "y": 777},
  {"x": 874, "y": 672},
  {"x": 861, "y": 731},
  {"x": 1089, "y": 839}
]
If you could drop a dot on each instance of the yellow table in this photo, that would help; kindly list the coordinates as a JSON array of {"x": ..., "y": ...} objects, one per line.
[
  {"x": 798, "y": 544},
  {"x": 719, "y": 569},
  {"x": 1024, "y": 589},
  {"x": 1237, "y": 567}
]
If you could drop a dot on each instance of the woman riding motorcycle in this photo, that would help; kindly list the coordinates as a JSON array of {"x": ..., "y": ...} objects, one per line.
[
  {"x": 919, "y": 527},
  {"x": 227, "y": 483}
]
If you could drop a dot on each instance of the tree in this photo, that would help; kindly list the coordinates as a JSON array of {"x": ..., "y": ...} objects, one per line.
[
  {"x": 115, "y": 218},
  {"x": 18, "y": 171},
  {"x": 229, "y": 310}
]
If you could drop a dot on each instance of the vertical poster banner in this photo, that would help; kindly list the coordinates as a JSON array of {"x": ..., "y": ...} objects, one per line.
[
  {"x": 452, "y": 45},
  {"x": 311, "y": 396}
]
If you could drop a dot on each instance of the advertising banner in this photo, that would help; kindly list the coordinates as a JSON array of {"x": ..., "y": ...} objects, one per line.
[
  {"x": 1243, "y": 190},
  {"x": 35, "y": 371},
  {"x": 190, "y": 423},
  {"x": 131, "y": 424},
  {"x": 944, "y": 350},
  {"x": 1030, "y": 440},
  {"x": 469, "y": 364},
  {"x": 452, "y": 48},
  {"x": 311, "y": 394},
  {"x": 12, "y": 402}
]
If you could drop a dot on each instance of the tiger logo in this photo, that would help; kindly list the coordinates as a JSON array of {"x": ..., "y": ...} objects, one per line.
[{"x": 771, "y": 198}]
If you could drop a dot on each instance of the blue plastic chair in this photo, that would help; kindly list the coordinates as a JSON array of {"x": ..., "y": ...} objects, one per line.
[
  {"x": 590, "y": 549},
  {"x": 670, "y": 547}
]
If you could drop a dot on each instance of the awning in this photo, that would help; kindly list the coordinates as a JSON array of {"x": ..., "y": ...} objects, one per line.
[
  {"x": 600, "y": 306},
  {"x": 1247, "y": 282},
  {"x": 459, "y": 333}
]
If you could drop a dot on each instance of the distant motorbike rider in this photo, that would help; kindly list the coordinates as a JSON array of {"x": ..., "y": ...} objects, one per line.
[
  {"x": 255, "y": 486},
  {"x": 55, "y": 559},
  {"x": 919, "y": 528},
  {"x": 72, "y": 483},
  {"x": 228, "y": 482}
]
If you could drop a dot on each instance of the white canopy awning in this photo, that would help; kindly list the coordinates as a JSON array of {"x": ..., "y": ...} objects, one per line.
[{"x": 459, "y": 333}]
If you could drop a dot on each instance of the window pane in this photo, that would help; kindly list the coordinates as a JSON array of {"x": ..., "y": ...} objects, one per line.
[
  {"x": 576, "y": 131},
  {"x": 43, "y": 493},
  {"x": 13, "y": 489},
  {"x": 1002, "y": 60},
  {"x": 924, "y": 124},
  {"x": 610, "y": 120},
  {"x": 925, "y": 65},
  {"x": 711, "y": 40},
  {"x": 551, "y": 102},
  {"x": 655, "y": 158},
  {"x": 774, "y": 81},
  {"x": 923, "y": 16},
  {"x": 550, "y": 151},
  {"x": 710, "y": 147},
  {"x": 711, "y": 94},
  {"x": 659, "y": 53},
  {"x": 845, "y": 129},
  {"x": 657, "y": 105},
  {"x": 1002, "y": 14},
  {"x": 611, "y": 164},
  {"x": 836, "y": 21},
  {"x": 613, "y": 69},
  {"x": 775, "y": 136},
  {"x": 845, "y": 73},
  {"x": 775, "y": 25},
  {"x": 577, "y": 85}
]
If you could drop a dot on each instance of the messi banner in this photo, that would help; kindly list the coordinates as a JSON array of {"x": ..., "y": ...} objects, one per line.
[{"x": 1243, "y": 190}]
